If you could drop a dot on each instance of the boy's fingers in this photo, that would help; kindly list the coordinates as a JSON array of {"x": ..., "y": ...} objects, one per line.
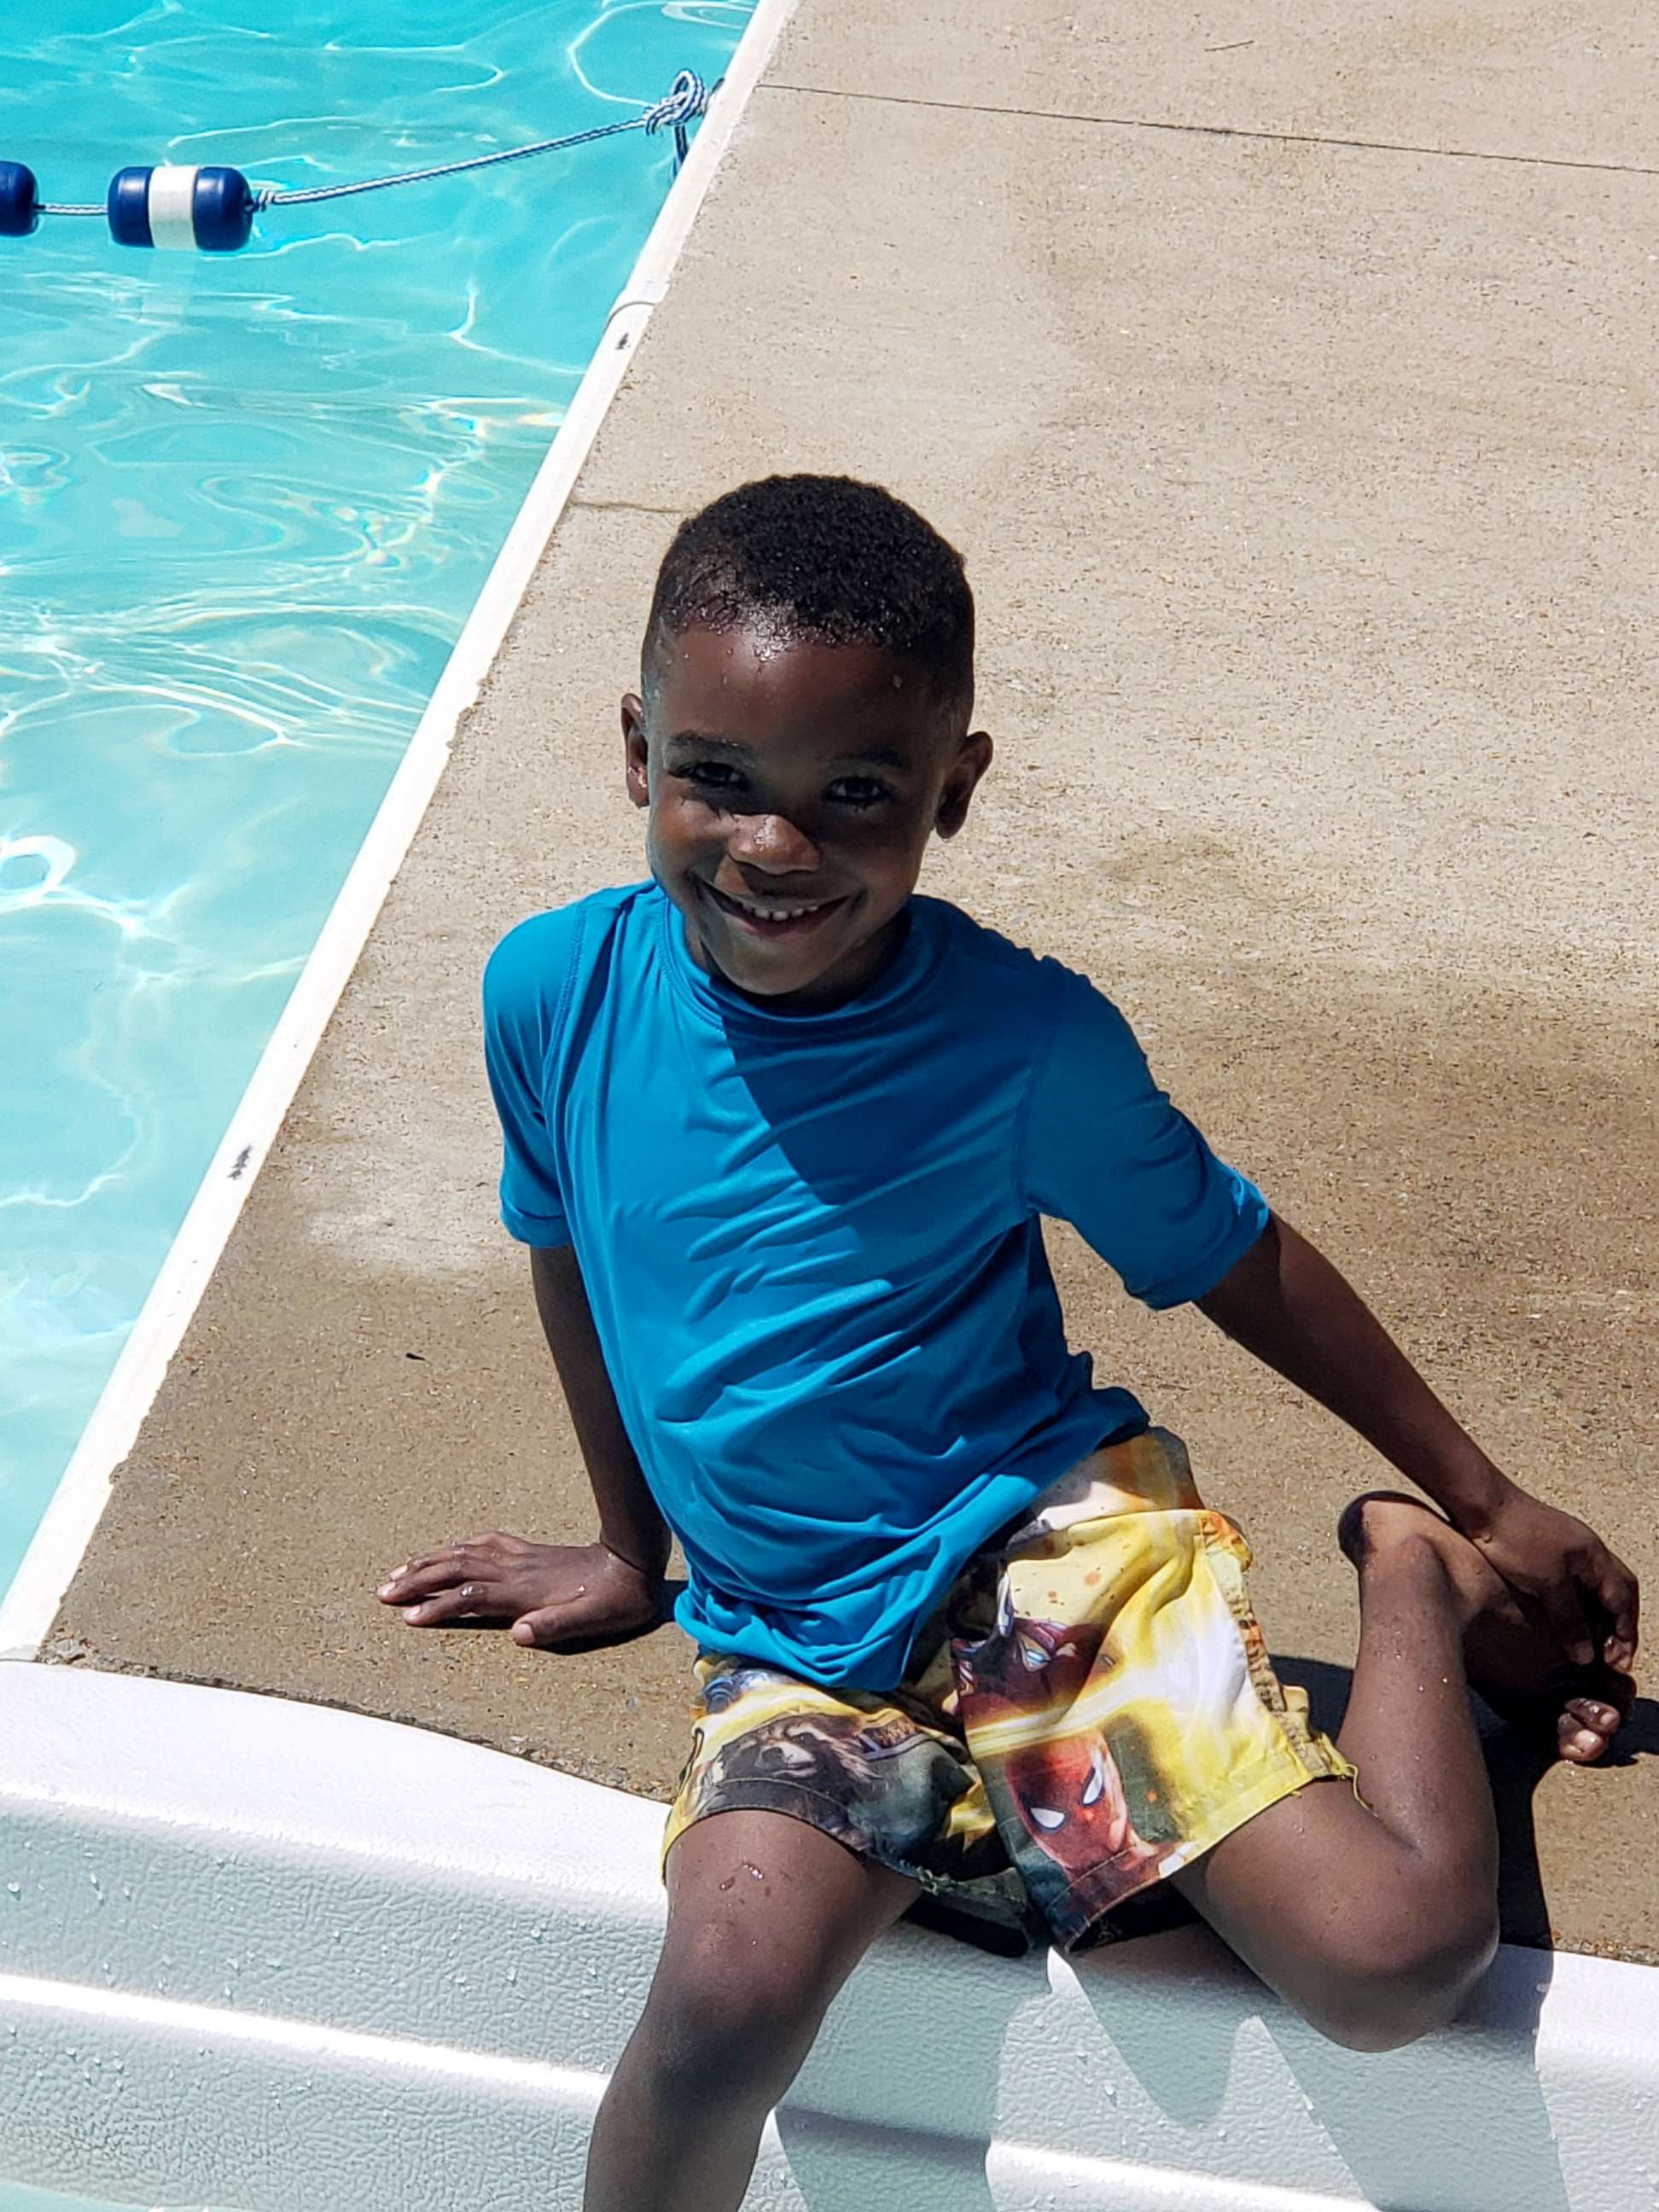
[
  {"x": 426, "y": 1576},
  {"x": 1620, "y": 1597},
  {"x": 466, "y": 1601},
  {"x": 423, "y": 1561},
  {"x": 464, "y": 1547},
  {"x": 1565, "y": 1609},
  {"x": 558, "y": 1623},
  {"x": 548, "y": 1624}
]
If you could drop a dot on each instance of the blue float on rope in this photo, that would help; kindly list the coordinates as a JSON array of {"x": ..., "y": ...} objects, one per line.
[
  {"x": 203, "y": 210},
  {"x": 19, "y": 209},
  {"x": 211, "y": 210}
]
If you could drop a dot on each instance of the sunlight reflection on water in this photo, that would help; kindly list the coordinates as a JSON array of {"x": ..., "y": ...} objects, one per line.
[{"x": 245, "y": 506}]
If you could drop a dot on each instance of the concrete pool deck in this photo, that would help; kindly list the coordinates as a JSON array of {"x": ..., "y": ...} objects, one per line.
[{"x": 1284, "y": 376}]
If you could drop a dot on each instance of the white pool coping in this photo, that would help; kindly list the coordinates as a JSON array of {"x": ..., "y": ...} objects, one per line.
[
  {"x": 263, "y": 1954},
  {"x": 49, "y": 1566}
]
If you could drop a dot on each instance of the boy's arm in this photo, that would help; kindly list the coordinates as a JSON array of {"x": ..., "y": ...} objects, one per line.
[
  {"x": 555, "y": 1594},
  {"x": 631, "y": 1526},
  {"x": 1285, "y": 1302}
]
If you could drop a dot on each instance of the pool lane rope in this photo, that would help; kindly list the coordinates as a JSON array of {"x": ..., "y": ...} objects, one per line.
[{"x": 212, "y": 209}]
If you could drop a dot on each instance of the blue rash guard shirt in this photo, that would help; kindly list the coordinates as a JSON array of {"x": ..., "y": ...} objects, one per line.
[{"x": 813, "y": 1246}]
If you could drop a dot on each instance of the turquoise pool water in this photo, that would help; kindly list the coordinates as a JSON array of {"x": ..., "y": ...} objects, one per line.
[
  {"x": 13, "y": 2197},
  {"x": 246, "y": 504}
]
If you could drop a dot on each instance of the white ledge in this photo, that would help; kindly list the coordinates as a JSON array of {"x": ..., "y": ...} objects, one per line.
[{"x": 269, "y": 1955}]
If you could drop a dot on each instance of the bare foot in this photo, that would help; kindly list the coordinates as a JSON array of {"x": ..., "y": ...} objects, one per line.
[{"x": 1514, "y": 1657}]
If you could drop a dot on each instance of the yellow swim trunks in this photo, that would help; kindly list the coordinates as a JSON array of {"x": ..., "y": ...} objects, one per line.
[{"x": 1092, "y": 1708}]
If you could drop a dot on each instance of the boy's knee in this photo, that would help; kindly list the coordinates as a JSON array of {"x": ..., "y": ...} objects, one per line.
[
  {"x": 1388, "y": 1982},
  {"x": 727, "y": 2026}
]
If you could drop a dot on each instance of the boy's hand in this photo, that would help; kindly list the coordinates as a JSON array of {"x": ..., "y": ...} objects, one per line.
[
  {"x": 1285, "y": 1302},
  {"x": 1548, "y": 1555},
  {"x": 550, "y": 1594}
]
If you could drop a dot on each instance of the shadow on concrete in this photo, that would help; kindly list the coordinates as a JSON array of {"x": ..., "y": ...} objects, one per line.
[
  {"x": 1516, "y": 1763},
  {"x": 1639, "y": 1736}
]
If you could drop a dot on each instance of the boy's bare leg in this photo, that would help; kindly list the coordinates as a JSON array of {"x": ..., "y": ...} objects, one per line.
[
  {"x": 1374, "y": 1920},
  {"x": 767, "y": 1918}
]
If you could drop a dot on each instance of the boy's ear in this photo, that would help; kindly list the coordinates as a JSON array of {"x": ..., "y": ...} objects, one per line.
[
  {"x": 634, "y": 749},
  {"x": 961, "y": 781}
]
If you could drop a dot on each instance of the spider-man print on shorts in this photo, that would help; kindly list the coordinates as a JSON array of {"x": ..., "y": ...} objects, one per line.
[{"x": 1092, "y": 1708}]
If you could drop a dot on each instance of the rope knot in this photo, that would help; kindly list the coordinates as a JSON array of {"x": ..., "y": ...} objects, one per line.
[{"x": 687, "y": 99}]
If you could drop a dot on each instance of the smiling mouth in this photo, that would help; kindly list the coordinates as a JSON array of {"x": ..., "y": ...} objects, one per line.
[{"x": 775, "y": 917}]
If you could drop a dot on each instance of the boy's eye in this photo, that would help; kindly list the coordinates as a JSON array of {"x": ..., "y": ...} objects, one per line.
[
  {"x": 709, "y": 775},
  {"x": 859, "y": 790}
]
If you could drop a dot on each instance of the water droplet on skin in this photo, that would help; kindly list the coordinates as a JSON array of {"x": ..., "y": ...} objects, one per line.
[{"x": 753, "y": 1870}]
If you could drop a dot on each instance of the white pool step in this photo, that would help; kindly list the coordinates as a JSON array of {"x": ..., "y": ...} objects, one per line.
[{"x": 280, "y": 1957}]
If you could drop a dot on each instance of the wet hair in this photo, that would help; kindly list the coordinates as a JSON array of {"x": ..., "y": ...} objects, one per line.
[{"x": 825, "y": 561}]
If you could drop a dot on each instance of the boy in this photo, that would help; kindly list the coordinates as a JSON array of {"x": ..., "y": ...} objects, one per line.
[{"x": 779, "y": 1134}]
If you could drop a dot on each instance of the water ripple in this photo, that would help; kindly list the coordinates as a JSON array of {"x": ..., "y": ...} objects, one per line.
[{"x": 245, "y": 505}]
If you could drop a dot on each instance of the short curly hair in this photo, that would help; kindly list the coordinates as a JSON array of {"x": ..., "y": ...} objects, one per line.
[{"x": 829, "y": 561}]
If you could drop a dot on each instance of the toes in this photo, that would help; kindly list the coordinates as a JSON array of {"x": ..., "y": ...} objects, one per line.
[
  {"x": 1584, "y": 1729},
  {"x": 1594, "y": 1714}
]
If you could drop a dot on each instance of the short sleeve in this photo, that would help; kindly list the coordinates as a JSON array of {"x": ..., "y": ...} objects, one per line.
[
  {"x": 1104, "y": 1149},
  {"x": 523, "y": 988}
]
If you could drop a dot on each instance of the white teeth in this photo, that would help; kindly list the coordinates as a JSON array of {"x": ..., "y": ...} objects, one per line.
[{"x": 776, "y": 912}]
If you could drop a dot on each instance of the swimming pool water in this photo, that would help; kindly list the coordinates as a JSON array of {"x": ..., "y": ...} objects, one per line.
[
  {"x": 246, "y": 504},
  {"x": 14, "y": 2198}
]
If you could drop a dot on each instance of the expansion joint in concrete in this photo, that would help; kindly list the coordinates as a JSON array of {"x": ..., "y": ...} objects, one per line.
[
  {"x": 1220, "y": 130},
  {"x": 624, "y": 507}
]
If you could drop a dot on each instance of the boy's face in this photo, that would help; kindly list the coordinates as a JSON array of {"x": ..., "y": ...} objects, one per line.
[{"x": 793, "y": 789}]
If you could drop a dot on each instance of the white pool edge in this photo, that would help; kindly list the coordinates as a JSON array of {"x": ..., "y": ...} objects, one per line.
[
  {"x": 49, "y": 1566},
  {"x": 216, "y": 1903}
]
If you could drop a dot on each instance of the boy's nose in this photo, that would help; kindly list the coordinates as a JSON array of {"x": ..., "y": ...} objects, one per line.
[{"x": 773, "y": 843}]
